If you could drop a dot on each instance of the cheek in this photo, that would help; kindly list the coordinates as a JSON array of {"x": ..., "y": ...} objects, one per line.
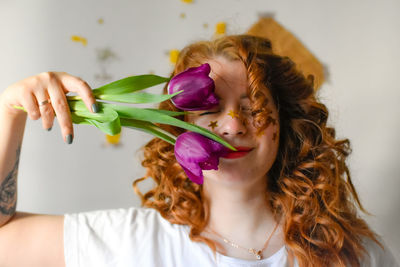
[
  {"x": 205, "y": 122},
  {"x": 271, "y": 133}
]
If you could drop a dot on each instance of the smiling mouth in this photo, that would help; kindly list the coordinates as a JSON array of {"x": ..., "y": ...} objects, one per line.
[{"x": 241, "y": 152}]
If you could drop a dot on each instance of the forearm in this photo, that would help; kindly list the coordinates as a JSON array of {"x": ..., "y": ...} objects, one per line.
[{"x": 12, "y": 127}]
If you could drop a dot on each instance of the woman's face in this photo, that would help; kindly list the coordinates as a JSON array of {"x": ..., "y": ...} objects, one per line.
[{"x": 232, "y": 120}]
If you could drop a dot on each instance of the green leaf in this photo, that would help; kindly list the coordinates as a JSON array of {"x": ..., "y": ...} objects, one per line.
[
  {"x": 150, "y": 128},
  {"x": 169, "y": 112},
  {"x": 137, "y": 98},
  {"x": 130, "y": 84},
  {"x": 107, "y": 119},
  {"x": 157, "y": 117}
]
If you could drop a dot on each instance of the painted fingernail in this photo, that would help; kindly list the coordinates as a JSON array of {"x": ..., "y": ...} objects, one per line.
[
  {"x": 95, "y": 108},
  {"x": 69, "y": 139},
  {"x": 49, "y": 129}
]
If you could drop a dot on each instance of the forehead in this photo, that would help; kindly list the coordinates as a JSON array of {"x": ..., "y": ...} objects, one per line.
[{"x": 230, "y": 77}]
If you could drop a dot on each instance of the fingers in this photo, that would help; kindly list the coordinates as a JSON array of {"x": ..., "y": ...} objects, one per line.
[
  {"x": 58, "y": 84},
  {"x": 46, "y": 110},
  {"x": 77, "y": 85},
  {"x": 60, "y": 105},
  {"x": 30, "y": 104},
  {"x": 53, "y": 87}
]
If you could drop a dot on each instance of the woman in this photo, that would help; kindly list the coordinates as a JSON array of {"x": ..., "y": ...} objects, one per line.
[{"x": 286, "y": 198}]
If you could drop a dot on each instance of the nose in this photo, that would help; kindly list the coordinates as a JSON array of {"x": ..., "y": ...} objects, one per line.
[{"x": 232, "y": 124}]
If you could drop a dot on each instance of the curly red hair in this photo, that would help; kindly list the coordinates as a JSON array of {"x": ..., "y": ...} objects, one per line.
[{"x": 309, "y": 184}]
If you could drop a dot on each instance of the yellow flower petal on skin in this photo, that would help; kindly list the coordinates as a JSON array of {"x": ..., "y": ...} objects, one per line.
[
  {"x": 79, "y": 39},
  {"x": 213, "y": 124},
  {"x": 233, "y": 114},
  {"x": 173, "y": 55},
  {"x": 187, "y": 1},
  {"x": 220, "y": 28},
  {"x": 113, "y": 139}
]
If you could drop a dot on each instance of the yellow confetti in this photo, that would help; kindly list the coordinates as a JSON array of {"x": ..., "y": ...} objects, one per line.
[
  {"x": 79, "y": 39},
  {"x": 213, "y": 124},
  {"x": 187, "y": 1},
  {"x": 205, "y": 25},
  {"x": 220, "y": 28},
  {"x": 113, "y": 139},
  {"x": 182, "y": 15},
  {"x": 100, "y": 21},
  {"x": 173, "y": 55},
  {"x": 233, "y": 114}
]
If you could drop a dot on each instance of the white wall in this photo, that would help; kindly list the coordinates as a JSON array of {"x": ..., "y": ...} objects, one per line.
[{"x": 358, "y": 40}]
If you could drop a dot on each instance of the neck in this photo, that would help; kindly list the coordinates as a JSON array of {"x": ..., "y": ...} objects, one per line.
[{"x": 238, "y": 213}]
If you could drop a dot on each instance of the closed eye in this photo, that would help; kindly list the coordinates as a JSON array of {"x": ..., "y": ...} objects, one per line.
[{"x": 208, "y": 112}]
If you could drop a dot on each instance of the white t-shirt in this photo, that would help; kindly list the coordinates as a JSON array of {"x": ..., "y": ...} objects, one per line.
[{"x": 142, "y": 237}]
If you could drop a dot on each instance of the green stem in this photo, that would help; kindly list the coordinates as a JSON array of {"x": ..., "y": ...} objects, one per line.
[
  {"x": 74, "y": 97},
  {"x": 18, "y": 107}
]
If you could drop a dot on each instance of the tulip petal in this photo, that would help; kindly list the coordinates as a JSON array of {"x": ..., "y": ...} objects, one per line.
[
  {"x": 195, "y": 153},
  {"x": 194, "y": 178},
  {"x": 198, "y": 89}
]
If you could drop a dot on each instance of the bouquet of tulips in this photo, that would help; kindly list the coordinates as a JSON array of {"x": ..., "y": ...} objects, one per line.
[{"x": 195, "y": 150}]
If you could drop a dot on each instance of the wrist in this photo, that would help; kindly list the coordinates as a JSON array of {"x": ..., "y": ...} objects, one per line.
[{"x": 9, "y": 110}]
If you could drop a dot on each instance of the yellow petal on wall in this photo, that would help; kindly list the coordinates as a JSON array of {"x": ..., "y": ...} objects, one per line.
[
  {"x": 79, "y": 39},
  {"x": 113, "y": 139},
  {"x": 173, "y": 55},
  {"x": 100, "y": 21},
  {"x": 187, "y": 1},
  {"x": 220, "y": 28}
]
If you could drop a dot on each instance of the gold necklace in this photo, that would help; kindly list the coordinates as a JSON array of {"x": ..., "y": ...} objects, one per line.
[{"x": 253, "y": 251}]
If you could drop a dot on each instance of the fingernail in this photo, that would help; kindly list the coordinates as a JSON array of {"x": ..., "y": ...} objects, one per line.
[
  {"x": 95, "y": 108},
  {"x": 50, "y": 128},
  {"x": 69, "y": 139}
]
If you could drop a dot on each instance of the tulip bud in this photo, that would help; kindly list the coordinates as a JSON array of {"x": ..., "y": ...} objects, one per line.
[
  {"x": 195, "y": 153},
  {"x": 198, "y": 89}
]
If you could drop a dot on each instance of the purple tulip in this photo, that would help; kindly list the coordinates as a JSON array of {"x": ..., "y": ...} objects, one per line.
[
  {"x": 195, "y": 153},
  {"x": 198, "y": 89}
]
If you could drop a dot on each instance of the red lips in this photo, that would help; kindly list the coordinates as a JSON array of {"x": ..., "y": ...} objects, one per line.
[{"x": 241, "y": 152}]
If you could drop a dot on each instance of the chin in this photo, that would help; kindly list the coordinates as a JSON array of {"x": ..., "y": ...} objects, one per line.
[{"x": 230, "y": 177}]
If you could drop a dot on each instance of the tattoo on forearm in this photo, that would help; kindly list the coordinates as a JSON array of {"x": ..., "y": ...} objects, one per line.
[{"x": 8, "y": 190}]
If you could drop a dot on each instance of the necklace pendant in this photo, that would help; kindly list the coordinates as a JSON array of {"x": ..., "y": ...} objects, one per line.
[{"x": 255, "y": 253}]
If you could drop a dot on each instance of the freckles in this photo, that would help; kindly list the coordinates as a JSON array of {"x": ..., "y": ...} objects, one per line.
[
  {"x": 271, "y": 122},
  {"x": 274, "y": 136}
]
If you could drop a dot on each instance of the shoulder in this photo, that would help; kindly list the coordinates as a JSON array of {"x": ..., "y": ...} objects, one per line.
[
  {"x": 133, "y": 218},
  {"x": 376, "y": 255},
  {"x": 132, "y": 235}
]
